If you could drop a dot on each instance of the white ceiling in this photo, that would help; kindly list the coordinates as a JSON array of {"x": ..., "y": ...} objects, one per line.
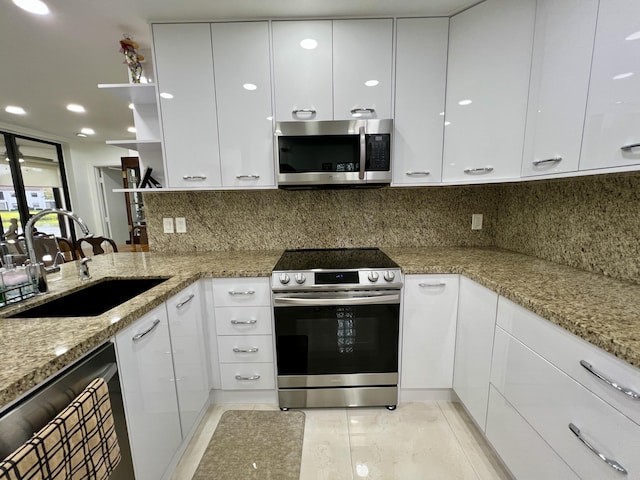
[{"x": 47, "y": 62}]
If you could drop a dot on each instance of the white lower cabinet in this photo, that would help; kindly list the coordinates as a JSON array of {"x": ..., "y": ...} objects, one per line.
[
  {"x": 429, "y": 331},
  {"x": 189, "y": 354},
  {"x": 148, "y": 388},
  {"x": 593, "y": 438},
  {"x": 244, "y": 334},
  {"x": 474, "y": 343},
  {"x": 523, "y": 451}
]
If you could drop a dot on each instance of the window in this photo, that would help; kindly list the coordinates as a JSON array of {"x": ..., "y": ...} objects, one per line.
[{"x": 32, "y": 178}]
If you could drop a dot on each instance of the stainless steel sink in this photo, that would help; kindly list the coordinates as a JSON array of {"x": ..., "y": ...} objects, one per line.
[{"x": 93, "y": 300}]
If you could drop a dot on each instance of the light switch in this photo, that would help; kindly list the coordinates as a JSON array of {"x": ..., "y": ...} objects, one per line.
[
  {"x": 167, "y": 224},
  {"x": 181, "y": 225}
]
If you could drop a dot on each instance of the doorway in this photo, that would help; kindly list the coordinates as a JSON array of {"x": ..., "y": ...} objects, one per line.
[{"x": 113, "y": 208}]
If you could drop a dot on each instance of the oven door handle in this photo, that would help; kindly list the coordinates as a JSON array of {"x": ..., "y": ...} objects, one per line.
[{"x": 319, "y": 302}]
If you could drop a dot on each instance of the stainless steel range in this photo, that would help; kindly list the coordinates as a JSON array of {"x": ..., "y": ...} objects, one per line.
[{"x": 337, "y": 316}]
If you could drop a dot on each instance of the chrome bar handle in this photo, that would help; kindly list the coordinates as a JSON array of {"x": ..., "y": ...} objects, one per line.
[
  {"x": 478, "y": 170},
  {"x": 194, "y": 177},
  {"x": 609, "y": 461},
  {"x": 627, "y": 391},
  {"x": 363, "y": 152},
  {"x": 247, "y": 177},
  {"x": 629, "y": 147},
  {"x": 184, "y": 302},
  {"x": 246, "y": 292},
  {"x": 432, "y": 285},
  {"x": 244, "y": 322},
  {"x": 418, "y": 174},
  {"x": 370, "y": 111},
  {"x": 140, "y": 335},
  {"x": 380, "y": 299},
  {"x": 546, "y": 160},
  {"x": 245, "y": 350},
  {"x": 310, "y": 111},
  {"x": 251, "y": 377}
]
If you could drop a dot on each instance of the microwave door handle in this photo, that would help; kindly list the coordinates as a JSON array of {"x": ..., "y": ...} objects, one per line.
[{"x": 363, "y": 153}]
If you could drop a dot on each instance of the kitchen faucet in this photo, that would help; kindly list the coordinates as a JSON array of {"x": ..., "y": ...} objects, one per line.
[{"x": 37, "y": 269}]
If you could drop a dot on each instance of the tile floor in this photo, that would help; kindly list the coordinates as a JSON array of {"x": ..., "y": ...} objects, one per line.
[{"x": 417, "y": 441}]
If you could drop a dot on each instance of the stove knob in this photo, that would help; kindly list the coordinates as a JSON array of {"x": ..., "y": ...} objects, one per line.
[
  {"x": 389, "y": 276},
  {"x": 300, "y": 278},
  {"x": 284, "y": 278},
  {"x": 373, "y": 277}
]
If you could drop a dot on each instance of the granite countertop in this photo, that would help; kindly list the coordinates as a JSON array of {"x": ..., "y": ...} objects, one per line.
[{"x": 603, "y": 311}]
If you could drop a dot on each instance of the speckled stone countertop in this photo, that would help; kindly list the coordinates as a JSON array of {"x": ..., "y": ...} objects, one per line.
[{"x": 603, "y": 311}]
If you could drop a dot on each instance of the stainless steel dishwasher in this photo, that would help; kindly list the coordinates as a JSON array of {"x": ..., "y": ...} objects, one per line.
[{"x": 19, "y": 421}]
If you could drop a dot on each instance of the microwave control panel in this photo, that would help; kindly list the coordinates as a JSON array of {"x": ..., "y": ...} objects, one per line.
[{"x": 378, "y": 152}]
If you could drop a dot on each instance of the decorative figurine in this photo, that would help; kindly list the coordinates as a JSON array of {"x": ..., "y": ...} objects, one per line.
[{"x": 132, "y": 58}]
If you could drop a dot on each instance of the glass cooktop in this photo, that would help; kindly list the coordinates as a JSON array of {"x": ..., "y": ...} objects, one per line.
[{"x": 334, "y": 259}]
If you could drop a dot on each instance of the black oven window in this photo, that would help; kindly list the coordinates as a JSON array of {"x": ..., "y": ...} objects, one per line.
[{"x": 337, "y": 339}]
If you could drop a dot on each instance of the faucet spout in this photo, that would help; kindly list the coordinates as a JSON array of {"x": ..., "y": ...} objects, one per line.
[{"x": 28, "y": 231}]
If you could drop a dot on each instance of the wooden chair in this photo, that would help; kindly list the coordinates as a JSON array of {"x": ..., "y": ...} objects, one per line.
[
  {"x": 89, "y": 246},
  {"x": 66, "y": 248}
]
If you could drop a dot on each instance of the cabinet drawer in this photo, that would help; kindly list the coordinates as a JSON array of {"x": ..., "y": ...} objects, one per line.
[
  {"x": 247, "y": 376},
  {"x": 245, "y": 348},
  {"x": 523, "y": 451},
  {"x": 228, "y": 292},
  {"x": 243, "y": 321},
  {"x": 565, "y": 351},
  {"x": 550, "y": 401}
]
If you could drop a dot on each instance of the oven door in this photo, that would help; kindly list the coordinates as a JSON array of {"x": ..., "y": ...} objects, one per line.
[{"x": 334, "y": 334}]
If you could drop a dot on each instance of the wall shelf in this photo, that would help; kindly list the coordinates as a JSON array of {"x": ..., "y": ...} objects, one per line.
[
  {"x": 136, "y": 93},
  {"x": 141, "y": 146}
]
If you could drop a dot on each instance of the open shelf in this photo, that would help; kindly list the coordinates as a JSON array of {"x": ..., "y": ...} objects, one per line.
[
  {"x": 136, "y": 93},
  {"x": 141, "y": 146}
]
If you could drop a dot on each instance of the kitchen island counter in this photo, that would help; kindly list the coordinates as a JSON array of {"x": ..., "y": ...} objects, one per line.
[{"x": 599, "y": 309}]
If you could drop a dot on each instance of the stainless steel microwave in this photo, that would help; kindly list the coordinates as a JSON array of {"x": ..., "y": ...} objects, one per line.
[{"x": 338, "y": 153}]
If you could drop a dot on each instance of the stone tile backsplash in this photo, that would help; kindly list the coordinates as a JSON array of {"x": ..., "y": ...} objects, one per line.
[{"x": 591, "y": 223}]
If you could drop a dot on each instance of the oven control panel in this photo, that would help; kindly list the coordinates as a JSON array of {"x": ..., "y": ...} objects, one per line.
[{"x": 336, "y": 279}]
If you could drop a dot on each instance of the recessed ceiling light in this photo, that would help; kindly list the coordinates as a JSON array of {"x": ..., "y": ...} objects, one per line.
[
  {"x": 131, "y": 106},
  {"x": 15, "y": 110},
  {"x": 131, "y": 129},
  {"x": 447, "y": 123},
  {"x": 308, "y": 44},
  {"x": 465, "y": 102},
  {"x": 249, "y": 86},
  {"x": 81, "y": 135},
  {"x": 87, "y": 131},
  {"x": 166, "y": 95},
  {"x": 371, "y": 83},
  {"x": 623, "y": 75},
  {"x": 74, "y": 107},
  {"x": 33, "y": 6}
]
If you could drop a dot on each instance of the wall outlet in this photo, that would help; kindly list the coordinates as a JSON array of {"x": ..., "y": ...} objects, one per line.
[
  {"x": 167, "y": 224},
  {"x": 181, "y": 225},
  {"x": 476, "y": 221}
]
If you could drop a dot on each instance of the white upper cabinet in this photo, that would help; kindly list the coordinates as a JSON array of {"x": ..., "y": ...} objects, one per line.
[
  {"x": 362, "y": 64},
  {"x": 184, "y": 64},
  {"x": 302, "y": 68},
  {"x": 488, "y": 81},
  {"x": 421, "y": 71},
  {"x": 562, "y": 52},
  {"x": 612, "y": 125},
  {"x": 243, "y": 91}
]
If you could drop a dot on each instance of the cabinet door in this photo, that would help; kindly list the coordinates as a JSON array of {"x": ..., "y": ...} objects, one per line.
[
  {"x": 520, "y": 447},
  {"x": 302, "y": 58},
  {"x": 429, "y": 331},
  {"x": 243, "y": 92},
  {"x": 563, "y": 47},
  {"x": 362, "y": 60},
  {"x": 149, "y": 393},
  {"x": 612, "y": 125},
  {"x": 189, "y": 354},
  {"x": 421, "y": 70},
  {"x": 184, "y": 64},
  {"x": 477, "y": 307},
  {"x": 487, "y": 85}
]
